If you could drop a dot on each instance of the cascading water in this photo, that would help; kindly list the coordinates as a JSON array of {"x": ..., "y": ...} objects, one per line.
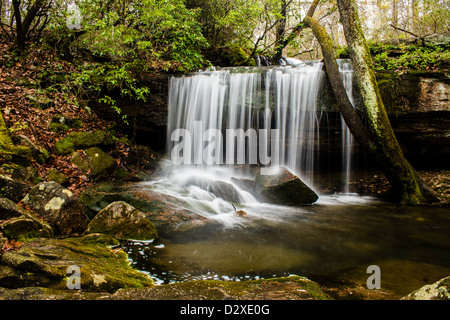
[
  {"x": 224, "y": 123},
  {"x": 346, "y": 69},
  {"x": 338, "y": 235},
  {"x": 278, "y": 103}
]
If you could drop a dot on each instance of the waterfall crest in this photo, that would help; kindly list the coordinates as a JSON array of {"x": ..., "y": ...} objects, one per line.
[{"x": 273, "y": 110}]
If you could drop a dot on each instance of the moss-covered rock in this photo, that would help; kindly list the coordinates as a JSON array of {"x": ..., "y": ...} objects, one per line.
[
  {"x": 286, "y": 288},
  {"x": 24, "y": 228},
  {"x": 122, "y": 221},
  {"x": 59, "y": 206},
  {"x": 94, "y": 162},
  {"x": 45, "y": 262},
  {"x": 285, "y": 188},
  {"x": 55, "y": 175},
  {"x": 39, "y": 153},
  {"x": 83, "y": 140}
]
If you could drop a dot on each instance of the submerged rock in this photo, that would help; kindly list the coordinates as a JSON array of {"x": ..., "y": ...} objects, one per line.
[
  {"x": 122, "y": 221},
  {"x": 59, "y": 206},
  {"x": 285, "y": 188}
]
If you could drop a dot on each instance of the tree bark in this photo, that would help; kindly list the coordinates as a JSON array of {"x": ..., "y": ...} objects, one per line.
[
  {"x": 405, "y": 181},
  {"x": 23, "y": 26}
]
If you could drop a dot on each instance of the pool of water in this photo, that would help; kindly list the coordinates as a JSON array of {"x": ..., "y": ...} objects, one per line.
[{"x": 339, "y": 236}]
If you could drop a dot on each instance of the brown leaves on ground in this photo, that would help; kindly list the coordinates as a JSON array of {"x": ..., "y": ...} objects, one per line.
[
  {"x": 10, "y": 245},
  {"x": 32, "y": 75}
]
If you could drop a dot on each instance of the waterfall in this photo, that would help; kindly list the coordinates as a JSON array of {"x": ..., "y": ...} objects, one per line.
[
  {"x": 256, "y": 116},
  {"x": 225, "y": 123},
  {"x": 346, "y": 69}
]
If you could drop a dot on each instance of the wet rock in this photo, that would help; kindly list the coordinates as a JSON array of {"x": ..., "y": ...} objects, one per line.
[
  {"x": 59, "y": 206},
  {"x": 285, "y": 188},
  {"x": 225, "y": 190},
  {"x": 83, "y": 140},
  {"x": 45, "y": 262},
  {"x": 12, "y": 189},
  {"x": 94, "y": 163},
  {"x": 439, "y": 290},
  {"x": 122, "y": 221},
  {"x": 241, "y": 213}
]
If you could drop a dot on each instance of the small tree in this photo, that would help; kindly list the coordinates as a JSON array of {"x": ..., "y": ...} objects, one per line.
[{"x": 33, "y": 18}]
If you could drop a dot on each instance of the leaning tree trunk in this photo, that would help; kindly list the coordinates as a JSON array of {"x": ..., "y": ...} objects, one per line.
[
  {"x": 380, "y": 139},
  {"x": 405, "y": 181}
]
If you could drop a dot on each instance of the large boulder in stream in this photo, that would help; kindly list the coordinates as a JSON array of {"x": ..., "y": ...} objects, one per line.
[
  {"x": 283, "y": 187},
  {"x": 122, "y": 221},
  {"x": 57, "y": 205}
]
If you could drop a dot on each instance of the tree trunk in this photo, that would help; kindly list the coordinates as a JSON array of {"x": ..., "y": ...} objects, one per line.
[
  {"x": 405, "y": 181},
  {"x": 23, "y": 26},
  {"x": 280, "y": 30}
]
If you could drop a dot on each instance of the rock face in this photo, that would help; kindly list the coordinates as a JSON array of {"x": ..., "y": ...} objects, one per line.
[
  {"x": 59, "y": 206},
  {"x": 285, "y": 188},
  {"x": 122, "y": 221}
]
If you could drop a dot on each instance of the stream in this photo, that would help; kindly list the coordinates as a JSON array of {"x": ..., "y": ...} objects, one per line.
[{"x": 337, "y": 237}]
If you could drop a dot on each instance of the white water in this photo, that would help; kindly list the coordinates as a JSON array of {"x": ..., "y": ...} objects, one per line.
[
  {"x": 283, "y": 98},
  {"x": 346, "y": 70}
]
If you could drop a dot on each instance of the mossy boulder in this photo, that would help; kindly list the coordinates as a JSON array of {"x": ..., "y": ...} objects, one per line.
[
  {"x": 82, "y": 140},
  {"x": 283, "y": 187},
  {"x": 122, "y": 221},
  {"x": 58, "y": 206},
  {"x": 45, "y": 262},
  {"x": 39, "y": 153},
  {"x": 25, "y": 227},
  {"x": 94, "y": 162},
  {"x": 55, "y": 175}
]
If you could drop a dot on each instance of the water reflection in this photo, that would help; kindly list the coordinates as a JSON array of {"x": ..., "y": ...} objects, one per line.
[{"x": 338, "y": 236}]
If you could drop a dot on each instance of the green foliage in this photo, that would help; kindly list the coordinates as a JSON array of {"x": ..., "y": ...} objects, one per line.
[{"x": 410, "y": 57}]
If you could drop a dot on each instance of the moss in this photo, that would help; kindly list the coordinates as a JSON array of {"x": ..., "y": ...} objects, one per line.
[
  {"x": 44, "y": 262},
  {"x": 82, "y": 140},
  {"x": 286, "y": 288}
]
